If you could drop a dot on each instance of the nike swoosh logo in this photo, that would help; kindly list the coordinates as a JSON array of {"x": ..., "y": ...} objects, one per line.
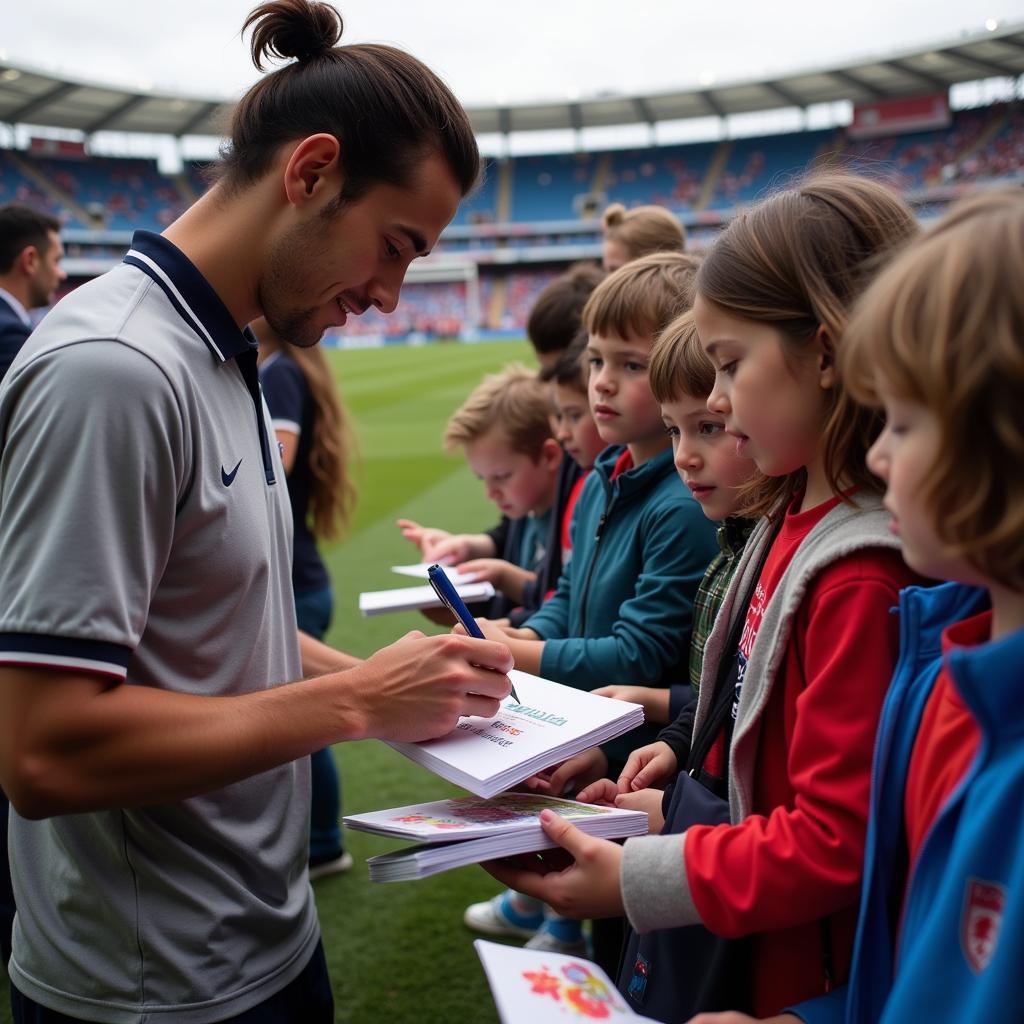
[{"x": 227, "y": 479}]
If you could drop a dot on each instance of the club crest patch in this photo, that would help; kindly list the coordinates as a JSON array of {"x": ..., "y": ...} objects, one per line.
[{"x": 980, "y": 922}]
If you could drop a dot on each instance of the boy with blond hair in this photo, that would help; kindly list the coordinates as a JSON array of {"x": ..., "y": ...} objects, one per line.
[
  {"x": 623, "y": 608},
  {"x": 504, "y": 429}
]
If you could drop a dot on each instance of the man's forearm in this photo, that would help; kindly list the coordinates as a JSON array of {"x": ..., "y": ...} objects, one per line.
[
  {"x": 319, "y": 658},
  {"x": 126, "y": 746}
]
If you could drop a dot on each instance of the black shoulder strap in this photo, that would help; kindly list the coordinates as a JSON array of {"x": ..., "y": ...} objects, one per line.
[{"x": 724, "y": 694}]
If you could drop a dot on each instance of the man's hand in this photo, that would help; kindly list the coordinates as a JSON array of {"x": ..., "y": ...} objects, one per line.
[
  {"x": 648, "y": 766},
  {"x": 653, "y": 698},
  {"x": 589, "y": 887},
  {"x": 420, "y": 686}
]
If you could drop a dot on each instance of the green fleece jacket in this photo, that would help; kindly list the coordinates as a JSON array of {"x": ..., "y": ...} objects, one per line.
[{"x": 623, "y": 608}]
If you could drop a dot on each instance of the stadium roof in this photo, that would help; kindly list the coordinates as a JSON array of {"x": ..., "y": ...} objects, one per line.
[{"x": 29, "y": 96}]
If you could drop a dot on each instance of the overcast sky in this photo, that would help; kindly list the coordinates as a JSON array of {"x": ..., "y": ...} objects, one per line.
[{"x": 494, "y": 52}]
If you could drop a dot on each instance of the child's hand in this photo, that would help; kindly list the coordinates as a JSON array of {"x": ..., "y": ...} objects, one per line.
[
  {"x": 510, "y": 579},
  {"x": 424, "y": 537},
  {"x": 575, "y": 774},
  {"x": 653, "y": 698},
  {"x": 588, "y": 887},
  {"x": 648, "y": 800},
  {"x": 603, "y": 793},
  {"x": 648, "y": 766}
]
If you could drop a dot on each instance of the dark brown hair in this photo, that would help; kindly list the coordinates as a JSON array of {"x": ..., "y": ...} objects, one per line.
[
  {"x": 572, "y": 369},
  {"x": 641, "y": 298},
  {"x": 387, "y": 109},
  {"x": 943, "y": 326},
  {"x": 555, "y": 316},
  {"x": 797, "y": 261},
  {"x": 20, "y": 227}
]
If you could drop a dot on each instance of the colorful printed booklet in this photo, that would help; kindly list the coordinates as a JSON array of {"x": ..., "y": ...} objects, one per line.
[
  {"x": 548, "y": 724},
  {"x": 404, "y": 599},
  {"x": 468, "y": 829},
  {"x": 533, "y": 987}
]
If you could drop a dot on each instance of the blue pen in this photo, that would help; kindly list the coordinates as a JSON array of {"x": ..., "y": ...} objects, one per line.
[{"x": 450, "y": 599}]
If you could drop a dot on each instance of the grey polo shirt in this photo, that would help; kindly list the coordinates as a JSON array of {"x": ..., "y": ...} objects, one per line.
[{"x": 145, "y": 536}]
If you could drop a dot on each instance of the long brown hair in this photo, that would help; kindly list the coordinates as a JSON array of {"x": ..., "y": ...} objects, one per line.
[
  {"x": 333, "y": 450},
  {"x": 386, "y": 108},
  {"x": 797, "y": 261},
  {"x": 943, "y": 326}
]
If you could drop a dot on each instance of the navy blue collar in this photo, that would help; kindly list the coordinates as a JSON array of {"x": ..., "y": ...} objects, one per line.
[{"x": 190, "y": 294}]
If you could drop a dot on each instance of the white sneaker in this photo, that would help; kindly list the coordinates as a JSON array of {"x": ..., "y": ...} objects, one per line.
[
  {"x": 497, "y": 916},
  {"x": 337, "y": 866},
  {"x": 545, "y": 941}
]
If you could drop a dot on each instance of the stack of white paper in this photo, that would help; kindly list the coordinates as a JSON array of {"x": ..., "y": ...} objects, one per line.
[
  {"x": 548, "y": 724},
  {"x": 419, "y": 572},
  {"x": 467, "y": 830},
  {"x": 404, "y": 599},
  {"x": 531, "y": 986}
]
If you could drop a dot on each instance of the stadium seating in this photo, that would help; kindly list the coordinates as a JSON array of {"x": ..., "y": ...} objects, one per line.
[{"x": 505, "y": 221}]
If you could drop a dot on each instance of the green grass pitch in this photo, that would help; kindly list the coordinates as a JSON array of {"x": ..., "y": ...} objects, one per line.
[{"x": 399, "y": 953}]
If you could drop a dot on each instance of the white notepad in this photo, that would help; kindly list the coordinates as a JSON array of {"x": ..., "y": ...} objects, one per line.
[
  {"x": 419, "y": 572},
  {"x": 548, "y": 724},
  {"x": 404, "y": 599},
  {"x": 531, "y": 986},
  {"x": 469, "y": 829}
]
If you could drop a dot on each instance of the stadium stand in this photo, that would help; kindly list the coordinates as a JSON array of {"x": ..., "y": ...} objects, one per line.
[{"x": 534, "y": 214}]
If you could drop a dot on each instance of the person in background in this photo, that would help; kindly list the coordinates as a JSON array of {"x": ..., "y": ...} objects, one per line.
[
  {"x": 30, "y": 273},
  {"x": 317, "y": 449},
  {"x": 630, "y": 234}
]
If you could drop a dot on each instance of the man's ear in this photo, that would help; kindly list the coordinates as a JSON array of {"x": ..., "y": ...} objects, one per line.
[
  {"x": 28, "y": 261},
  {"x": 826, "y": 355},
  {"x": 313, "y": 167}
]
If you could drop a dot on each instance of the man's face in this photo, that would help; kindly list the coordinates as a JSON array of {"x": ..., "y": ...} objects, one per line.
[
  {"x": 48, "y": 275},
  {"x": 329, "y": 267}
]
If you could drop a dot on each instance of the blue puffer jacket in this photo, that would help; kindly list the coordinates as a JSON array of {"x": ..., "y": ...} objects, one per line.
[
  {"x": 947, "y": 945},
  {"x": 624, "y": 605}
]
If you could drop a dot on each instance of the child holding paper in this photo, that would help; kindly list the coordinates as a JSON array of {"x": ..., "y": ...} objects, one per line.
[
  {"x": 553, "y": 323},
  {"x": 504, "y": 428}
]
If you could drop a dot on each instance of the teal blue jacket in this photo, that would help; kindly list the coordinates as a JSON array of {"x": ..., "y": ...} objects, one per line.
[{"x": 623, "y": 608}]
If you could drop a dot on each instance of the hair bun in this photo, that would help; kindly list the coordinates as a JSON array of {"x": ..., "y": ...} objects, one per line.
[
  {"x": 292, "y": 28},
  {"x": 614, "y": 215}
]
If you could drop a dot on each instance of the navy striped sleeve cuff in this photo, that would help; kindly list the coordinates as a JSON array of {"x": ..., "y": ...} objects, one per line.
[{"x": 96, "y": 657}]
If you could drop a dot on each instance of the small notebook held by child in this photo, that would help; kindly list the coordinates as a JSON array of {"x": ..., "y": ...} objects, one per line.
[
  {"x": 421, "y": 570},
  {"x": 548, "y": 724},
  {"x": 531, "y": 986},
  {"x": 405, "y": 599},
  {"x": 467, "y": 830}
]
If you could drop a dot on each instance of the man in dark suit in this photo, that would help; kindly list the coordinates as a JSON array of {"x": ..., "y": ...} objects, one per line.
[{"x": 30, "y": 273}]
